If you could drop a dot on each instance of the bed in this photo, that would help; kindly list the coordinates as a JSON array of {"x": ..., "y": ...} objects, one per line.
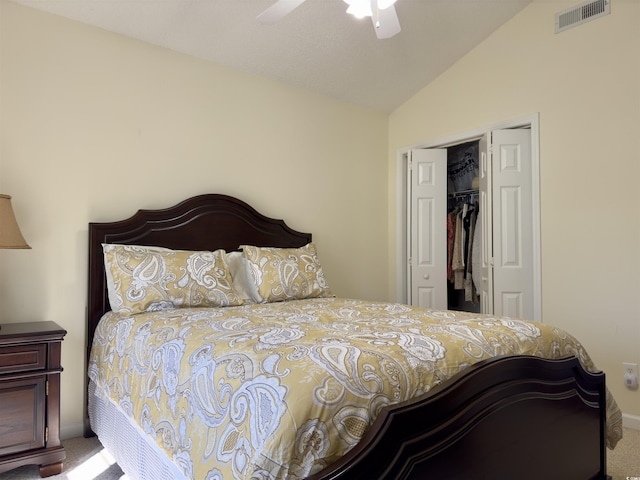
[{"x": 282, "y": 379}]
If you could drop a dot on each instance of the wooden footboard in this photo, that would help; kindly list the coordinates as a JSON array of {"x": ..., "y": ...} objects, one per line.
[{"x": 511, "y": 418}]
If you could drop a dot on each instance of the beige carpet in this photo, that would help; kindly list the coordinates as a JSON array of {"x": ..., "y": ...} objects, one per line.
[
  {"x": 622, "y": 463},
  {"x": 82, "y": 453}
]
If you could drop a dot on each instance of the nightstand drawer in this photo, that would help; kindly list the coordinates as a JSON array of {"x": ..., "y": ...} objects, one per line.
[{"x": 23, "y": 358}]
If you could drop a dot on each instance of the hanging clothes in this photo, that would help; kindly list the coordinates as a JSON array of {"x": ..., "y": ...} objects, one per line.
[
  {"x": 469, "y": 287},
  {"x": 451, "y": 234},
  {"x": 461, "y": 233},
  {"x": 456, "y": 259},
  {"x": 476, "y": 252}
]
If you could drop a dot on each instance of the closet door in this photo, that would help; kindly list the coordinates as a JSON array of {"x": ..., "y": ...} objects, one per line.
[
  {"x": 428, "y": 233},
  {"x": 485, "y": 285},
  {"x": 512, "y": 218}
]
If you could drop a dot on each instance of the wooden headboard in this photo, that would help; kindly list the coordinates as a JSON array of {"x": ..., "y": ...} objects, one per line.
[{"x": 203, "y": 222}]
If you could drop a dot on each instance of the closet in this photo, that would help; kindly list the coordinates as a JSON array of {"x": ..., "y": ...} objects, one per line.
[
  {"x": 492, "y": 175},
  {"x": 463, "y": 239}
]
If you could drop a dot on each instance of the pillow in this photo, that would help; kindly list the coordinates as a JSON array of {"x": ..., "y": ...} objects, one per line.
[
  {"x": 282, "y": 274},
  {"x": 242, "y": 283},
  {"x": 144, "y": 279}
]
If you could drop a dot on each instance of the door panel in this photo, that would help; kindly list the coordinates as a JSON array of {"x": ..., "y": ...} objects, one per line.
[
  {"x": 428, "y": 244},
  {"x": 486, "y": 273},
  {"x": 512, "y": 223}
]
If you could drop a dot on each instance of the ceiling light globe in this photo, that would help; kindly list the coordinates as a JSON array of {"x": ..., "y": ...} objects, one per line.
[{"x": 359, "y": 8}]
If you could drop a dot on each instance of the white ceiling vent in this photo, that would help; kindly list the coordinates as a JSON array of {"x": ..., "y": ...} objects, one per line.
[{"x": 583, "y": 13}]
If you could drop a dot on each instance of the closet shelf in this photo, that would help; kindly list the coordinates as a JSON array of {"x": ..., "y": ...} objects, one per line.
[{"x": 463, "y": 193}]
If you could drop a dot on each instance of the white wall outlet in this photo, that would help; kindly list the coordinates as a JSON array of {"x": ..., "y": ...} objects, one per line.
[{"x": 630, "y": 375}]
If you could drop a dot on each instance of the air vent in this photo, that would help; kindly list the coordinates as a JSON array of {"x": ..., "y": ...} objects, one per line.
[{"x": 583, "y": 13}]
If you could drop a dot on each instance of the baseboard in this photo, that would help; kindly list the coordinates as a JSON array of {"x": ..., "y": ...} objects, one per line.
[
  {"x": 631, "y": 421},
  {"x": 71, "y": 431}
]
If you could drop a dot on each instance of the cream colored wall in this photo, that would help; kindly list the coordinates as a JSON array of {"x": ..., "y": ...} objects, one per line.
[
  {"x": 97, "y": 125},
  {"x": 585, "y": 84},
  {"x": 77, "y": 101}
]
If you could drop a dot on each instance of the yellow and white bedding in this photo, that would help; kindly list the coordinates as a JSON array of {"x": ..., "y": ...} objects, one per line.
[{"x": 279, "y": 390}]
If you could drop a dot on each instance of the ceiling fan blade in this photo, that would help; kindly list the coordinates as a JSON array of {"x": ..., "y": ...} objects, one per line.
[
  {"x": 385, "y": 22},
  {"x": 278, "y": 10}
]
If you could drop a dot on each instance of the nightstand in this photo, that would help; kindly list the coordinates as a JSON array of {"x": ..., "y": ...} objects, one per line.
[{"x": 30, "y": 396}]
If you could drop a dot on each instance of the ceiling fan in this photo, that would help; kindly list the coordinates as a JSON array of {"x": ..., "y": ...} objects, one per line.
[{"x": 382, "y": 13}]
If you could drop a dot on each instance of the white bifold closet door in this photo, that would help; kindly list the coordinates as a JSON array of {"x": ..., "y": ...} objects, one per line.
[
  {"x": 427, "y": 225},
  {"x": 506, "y": 286},
  {"x": 511, "y": 235}
]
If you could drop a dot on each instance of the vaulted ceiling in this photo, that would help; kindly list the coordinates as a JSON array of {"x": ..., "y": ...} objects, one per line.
[{"x": 318, "y": 46}]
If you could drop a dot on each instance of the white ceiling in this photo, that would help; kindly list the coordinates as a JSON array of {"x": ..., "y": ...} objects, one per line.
[{"x": 318, "y": 46}]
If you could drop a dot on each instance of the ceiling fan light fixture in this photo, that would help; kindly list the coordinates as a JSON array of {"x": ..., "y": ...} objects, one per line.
[
  {"x": 365, "y": 8},
  {"x": 359, "y": 8},
  {"x": 382, "y": 14}
]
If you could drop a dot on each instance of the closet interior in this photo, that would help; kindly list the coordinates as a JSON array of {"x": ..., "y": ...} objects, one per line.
[{"x": 464, "y": 236}]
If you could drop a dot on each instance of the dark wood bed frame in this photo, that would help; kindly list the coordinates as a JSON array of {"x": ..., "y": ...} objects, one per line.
[{"x": 511, "y": 418}]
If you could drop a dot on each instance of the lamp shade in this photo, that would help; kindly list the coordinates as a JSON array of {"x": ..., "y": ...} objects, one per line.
[{"x": 10, "y": 235}]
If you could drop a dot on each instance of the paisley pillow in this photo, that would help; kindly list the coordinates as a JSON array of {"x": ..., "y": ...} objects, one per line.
[
  {"x": 285, "y": 273},
  {"x": 144, "y": 279}
]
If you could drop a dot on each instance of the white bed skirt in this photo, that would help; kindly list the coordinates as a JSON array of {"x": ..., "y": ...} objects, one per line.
[{"x": 138, "y": 457}]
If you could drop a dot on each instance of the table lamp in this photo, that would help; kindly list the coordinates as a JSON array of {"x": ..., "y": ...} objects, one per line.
[{"x": 10, "y": 235}]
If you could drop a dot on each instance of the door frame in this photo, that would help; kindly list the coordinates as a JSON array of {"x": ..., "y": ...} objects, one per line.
[{"x": 531, "y": 122}]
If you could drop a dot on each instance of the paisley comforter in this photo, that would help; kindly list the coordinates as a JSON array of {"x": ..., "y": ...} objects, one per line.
[{"x": 280, "y": 390}]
